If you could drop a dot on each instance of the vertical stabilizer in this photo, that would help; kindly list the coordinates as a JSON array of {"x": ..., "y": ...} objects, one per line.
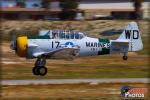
[{"x": 132, "y": 34}]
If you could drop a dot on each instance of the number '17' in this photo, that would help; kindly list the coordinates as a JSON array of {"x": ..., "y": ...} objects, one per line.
[{"x": 55, "y": 44}]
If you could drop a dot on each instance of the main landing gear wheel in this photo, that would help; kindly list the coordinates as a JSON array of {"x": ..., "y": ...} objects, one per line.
[
  {"x": 40, "y": 68},
  {"x": 125, "y": 57},
  {"x": 42, "y": 71},
  {"x": 35, "y": 71}
]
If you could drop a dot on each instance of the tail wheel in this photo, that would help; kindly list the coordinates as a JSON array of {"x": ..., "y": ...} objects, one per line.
[
  {"x": 125, "y": 57},
  {"x": 42, "y": 71}
]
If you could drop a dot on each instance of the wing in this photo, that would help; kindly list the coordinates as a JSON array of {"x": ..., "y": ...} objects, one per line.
[
  {"x": 119, "y": 46},
  {"x": 66, "y": 53},
  {"x": 63, "y": 52}
]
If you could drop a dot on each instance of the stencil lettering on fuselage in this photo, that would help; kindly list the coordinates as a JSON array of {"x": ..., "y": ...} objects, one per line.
[
  {"x": 100, "y": 44},
  {"x": 55, "y": 44},
  {"x": 105, "y": 47}
]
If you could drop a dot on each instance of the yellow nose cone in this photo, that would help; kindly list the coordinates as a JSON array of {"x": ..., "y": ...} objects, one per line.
[{"x": 22, "y": 46}]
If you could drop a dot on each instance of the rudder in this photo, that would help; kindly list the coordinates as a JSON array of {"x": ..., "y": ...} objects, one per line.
[{"x": 132, "y": 34}]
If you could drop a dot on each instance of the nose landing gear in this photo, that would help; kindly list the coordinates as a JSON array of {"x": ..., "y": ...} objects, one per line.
[{"x": 40, "y": 68}]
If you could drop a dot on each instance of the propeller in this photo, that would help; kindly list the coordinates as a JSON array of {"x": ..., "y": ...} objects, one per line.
[
  {"x": 17, "y": 41},
  {"x": 13, "y": 44}
]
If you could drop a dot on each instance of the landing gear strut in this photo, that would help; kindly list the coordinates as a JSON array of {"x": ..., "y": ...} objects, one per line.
[
  {"x": 125, "y": 57},
  {"x": 39, "y": 68}
]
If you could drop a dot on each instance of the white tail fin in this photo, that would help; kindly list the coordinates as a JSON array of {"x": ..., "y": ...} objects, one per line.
[{"x": 132, "y": 34}]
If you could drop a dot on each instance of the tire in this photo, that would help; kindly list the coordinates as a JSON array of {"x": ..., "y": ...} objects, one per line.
[
  {"x": 42, "y": 71},
  {"x": 35, "y": 70},
  {"x": 125, "y": 57}
]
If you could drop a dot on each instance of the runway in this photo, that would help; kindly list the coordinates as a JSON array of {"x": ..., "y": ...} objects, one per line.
[
  {"x": 113, "y": 5},
  {"x": 75, "y": 81}
]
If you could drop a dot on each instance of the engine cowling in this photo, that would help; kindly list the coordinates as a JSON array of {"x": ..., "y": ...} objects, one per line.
[{"x": 21, "y": 48}]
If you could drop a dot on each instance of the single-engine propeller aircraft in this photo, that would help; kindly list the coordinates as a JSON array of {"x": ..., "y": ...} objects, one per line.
[{"x": 60, "y": 44}]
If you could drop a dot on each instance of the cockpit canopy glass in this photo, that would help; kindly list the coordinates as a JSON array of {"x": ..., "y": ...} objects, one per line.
[{"x": 64, "y": 34}]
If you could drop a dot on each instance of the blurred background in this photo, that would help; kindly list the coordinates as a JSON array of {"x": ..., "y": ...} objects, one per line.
[
  {"x": 96, "y": 18},
  {"x": 73, "y": 9}
]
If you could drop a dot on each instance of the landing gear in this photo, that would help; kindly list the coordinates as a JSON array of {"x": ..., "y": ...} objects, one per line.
[
  {"x": 35, "y": 71},
  {"x": 125, "y": 57},
  {"x": 40, "y": 68}
]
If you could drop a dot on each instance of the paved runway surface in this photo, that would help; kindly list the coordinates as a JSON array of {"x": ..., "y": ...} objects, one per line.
[
  {"x": 75, "y": 81},
  {"x": 118, "y": 5}
]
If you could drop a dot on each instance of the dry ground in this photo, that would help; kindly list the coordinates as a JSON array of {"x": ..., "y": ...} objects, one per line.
[
  {"x": 91, "y": 28},
  {"x": 14, "y": 67},
  {"x": 137, "y": 66},
  {"x": 113, "y": 66},
  {"x": 68, "y": 91}
]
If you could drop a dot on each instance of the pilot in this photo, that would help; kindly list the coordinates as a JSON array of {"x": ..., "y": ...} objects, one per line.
[
  {"x": 67, "y": 35},
  {"x": 76, "y": 35},
  {"x": 54, "y": 35}
]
